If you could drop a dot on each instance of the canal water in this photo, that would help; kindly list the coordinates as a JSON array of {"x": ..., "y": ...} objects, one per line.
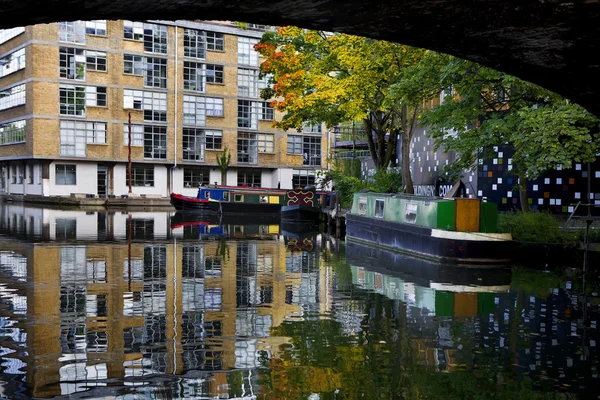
[{"x": 155, "y": 305}]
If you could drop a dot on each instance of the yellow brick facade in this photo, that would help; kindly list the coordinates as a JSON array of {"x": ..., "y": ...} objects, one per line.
[{"x": 43, "y": 114}]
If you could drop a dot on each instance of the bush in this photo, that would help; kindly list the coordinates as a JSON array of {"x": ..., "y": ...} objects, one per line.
[
  {"x": 387, "y": 181},
  {"x": 535, "y": 227}
]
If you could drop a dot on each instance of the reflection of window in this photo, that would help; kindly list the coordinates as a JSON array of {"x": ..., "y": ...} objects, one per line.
[
  {"x": 66, "y": 174},
  {"x": 362, "y": 206},
  {"x": 212, "y": 266},
  {"x": 96, "y": 271},
  {"x": 379, "y": 207},
  {"x": 140, "y": 228},
  {"x": 66, "y": 228},
  {"x": 213, "y": 299}
]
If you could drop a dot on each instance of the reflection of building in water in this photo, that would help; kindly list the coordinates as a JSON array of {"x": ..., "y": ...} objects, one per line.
[{"x": 98, "y": 312}]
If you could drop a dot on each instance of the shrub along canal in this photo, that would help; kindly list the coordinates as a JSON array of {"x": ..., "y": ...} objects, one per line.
[{"x": 135, "y": 305}]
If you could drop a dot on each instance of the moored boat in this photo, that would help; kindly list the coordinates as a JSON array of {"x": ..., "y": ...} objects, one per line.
[
  {"x": 457, "y": 231},
  {"x": 187, "y": 203}
]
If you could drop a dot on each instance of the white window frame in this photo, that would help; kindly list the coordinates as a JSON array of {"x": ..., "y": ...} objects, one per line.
[
  {"x": 96, "y": 27},
  {"x": 247, "y": 80},
  {"x": 13, "y": 132},
  {"x": 12, "y": 62},
  {"x": 252, "y": 108},
  {"x": 214, "y": 106},
  {"x": 13, "y": 97},
  {"x": 246, "y": 53},
  {"x": 7, "y": 34},
  {"x": 194, "y": 110},
  {"x": 71, "y": 32},
  {"x": 91, "y": 61}
]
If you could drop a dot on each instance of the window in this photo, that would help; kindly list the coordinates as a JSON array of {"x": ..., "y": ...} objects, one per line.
[
  {"x": 410, "y": 213},
  {"x": 19, "y": 175},
  {"x": 379, "y": 207},
  {"x": 194, "y": 77},
  {"x": 195, "y": 177},
  {"x": 194, "y": 43},
  {"x": 214, "y": 73},
  {"x": 193, "y": 111},
  {"x": 311, "y": 147},
  {"x": 155, "y": 38},
  {"x": 72, "y": 100},
  {"x": 215, "y": 41},
  {"x": 249, "y": 178},
  {"x": 248, "y": 114},
  {"x": 265, "y": 143},
  {"x": 153, "y": 104},
  {"x": 155, "y": 73},
  {"x": 213, "y": 106},
  {"x": 214, "y": 139},
  {"x": 294, "y": 144},
  {"x": 15, "y": 96},
  {"x": 74, "y": 135},
  {"x": 311, "y": 128},
  {"x": 13, "y": 174},
  {"x": 194, "y": 144},
  {"x": 246, "y": 53},
  {"x": 71, "y": 63},
  {"x": 71, "y": 32},
  {"x": 141, "y": 175},
  {"x": 133, "y": 30},
  {"x": 362, "y": 206},
  {"x": 12, "y": 62},
  {"x": 247, "y": 82},
  {"x": 66, "y": 174},
  {"x": 137, "y": 135},
  {"x": 155, "y": 142},
  {"x": 247, "y": 144},
  {"x": 95, "y": 96},
  {"x": 12, "y": 132},
  {"x": 267, "y": 113},
  {"x": 30, "y": 175},
  {"x": 133, "y": 65},
  {"x": 95, "y": 60},
  {"x": 96, "y": 27},
  {"x": 7, "y": 34},
  {"x": 302, "y": 178}
]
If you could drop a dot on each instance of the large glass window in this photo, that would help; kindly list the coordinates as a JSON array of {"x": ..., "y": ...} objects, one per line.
[
  {"x": 72, "y": 63},
  {"x": 155, "y": 73},
  {"x": 194, "y": 111},
  {"x": 247, "y": 144},
  {"x": 95, "y": 96},
  {"x": 312, "y": 150},
  {"x": 155, "y": 142},
  {"x": 248, "y": 114},
  {"x": 294, "y": 144},
  {"x": 12, "y": 132},
  {"x": 267, "y": 113},
  {"x": 12, "y": 62},
  {"x": 302, "y": 178},
  {"x": 194, "y": 144},
  {"x": 214, "y": 139},
  {"x": 133, "y": 65},
  {"x": 96, "y": 27},
  {"x": 194, "y": 77},
  {"x": 15, "y": 96},
  {"x": 154, "y": 36},
  {"x": 141, "y": 175},
  {"x": 72, "y": 100},
  {"x": 66, "y": 174},
  {"x": 95, "y": 60},
  {"x": 74, "y": 135},
  {"x": 247, "y": 82},
  {"x": 214, "y": 106},
  {"x": 249, "y": 178},
  {"x": 246, "y": 53},
  {"x": 312, "y": 128},
  {"x": 154, "y": 104},
  {"x": 195, "y": 177},
  {"x": 194, "y": 43},
  {"x": 214, "y": 73},
  {"x": 133, "y": 30},
  {"x": 71, "y": 32},
  {"x": 265, "y": 143},
  {"x": 215, "y": 41}
]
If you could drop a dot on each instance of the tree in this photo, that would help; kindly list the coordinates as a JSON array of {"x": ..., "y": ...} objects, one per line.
[
  {"x": 321, "y": 77},
  {"x": 223, "y": 161},
  {"x": 485, "y": 108}
]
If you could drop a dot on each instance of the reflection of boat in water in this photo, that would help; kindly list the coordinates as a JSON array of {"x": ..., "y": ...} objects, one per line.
[{"x": 427, "y": 273}]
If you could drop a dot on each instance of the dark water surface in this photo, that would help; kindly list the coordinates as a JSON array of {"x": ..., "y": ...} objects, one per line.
[{"x": 143, "y": 305}]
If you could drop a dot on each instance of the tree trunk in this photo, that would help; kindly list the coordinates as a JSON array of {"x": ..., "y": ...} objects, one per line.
[
  {"x": 223, "y": 178},
  {"x": 406, "y": 175},
  {"x": 523, "y": 196}
]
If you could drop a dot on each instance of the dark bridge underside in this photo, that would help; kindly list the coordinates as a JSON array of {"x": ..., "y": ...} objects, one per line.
[{"x": 552, "y": 43}]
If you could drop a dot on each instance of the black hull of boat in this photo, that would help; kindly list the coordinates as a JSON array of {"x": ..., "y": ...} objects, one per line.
[
  {"x": 419, "y": 242},
  {"x": 300, "y": 213},
  {"x": 182, "y": 204},
  {"x": 250, "y": 209}
]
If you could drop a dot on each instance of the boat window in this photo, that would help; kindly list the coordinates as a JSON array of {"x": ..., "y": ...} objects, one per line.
[
  {"x": 362, "y": 206},
  {"x": 264, "y": 199},
  {"x": 207, "y": 194},
  {"x": 379, "y": 206},
  {"x": 410, "y": 213},
  {"x": 226, "y": 196},
  {"x": 238, "y": 198}
]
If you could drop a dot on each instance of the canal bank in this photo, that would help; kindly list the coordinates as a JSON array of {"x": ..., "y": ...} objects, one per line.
[{"x": 88, "y": 201}]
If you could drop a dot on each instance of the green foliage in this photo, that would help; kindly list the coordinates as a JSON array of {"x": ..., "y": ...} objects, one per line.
[
  {"x": 387, "y": 181},
  {"x": 346, "y": 186},
  {"x": 224, "y": 160},
  {"x": 535, "y": 227}
]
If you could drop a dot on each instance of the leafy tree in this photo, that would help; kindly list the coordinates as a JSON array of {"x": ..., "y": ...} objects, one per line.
[
  {"x": 485, "y": 108},
  {"x": 332, "y": 78},
  {"x": 223, "y": 162}
]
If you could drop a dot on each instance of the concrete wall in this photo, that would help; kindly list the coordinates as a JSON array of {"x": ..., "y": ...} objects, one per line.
[
  {"x": 87, "y": 179},
  {"x": 160, "y": 182}
]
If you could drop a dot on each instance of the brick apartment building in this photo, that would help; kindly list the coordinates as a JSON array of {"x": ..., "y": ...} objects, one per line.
[{"x": 192, "y": 89}]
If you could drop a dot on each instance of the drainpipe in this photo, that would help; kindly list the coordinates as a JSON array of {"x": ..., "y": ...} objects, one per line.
[{"x": 175, "y": 107}]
